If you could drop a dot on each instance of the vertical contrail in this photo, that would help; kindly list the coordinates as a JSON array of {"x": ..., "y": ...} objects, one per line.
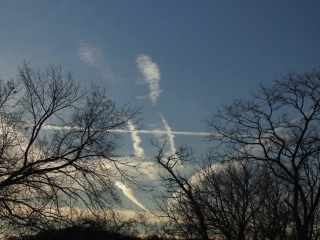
[
  {"x": 169, "y": 134},
  {"x": 138, "y": 151}
]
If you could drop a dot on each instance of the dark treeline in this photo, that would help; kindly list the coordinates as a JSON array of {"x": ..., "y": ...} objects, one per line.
[{"x": 58, "y": 155}]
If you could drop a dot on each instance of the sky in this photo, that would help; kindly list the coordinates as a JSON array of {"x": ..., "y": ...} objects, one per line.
[{"x": 178, "y": 60}]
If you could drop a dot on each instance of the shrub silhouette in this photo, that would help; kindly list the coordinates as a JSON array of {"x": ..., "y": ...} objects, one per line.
[{"x": 76, "y": 233}]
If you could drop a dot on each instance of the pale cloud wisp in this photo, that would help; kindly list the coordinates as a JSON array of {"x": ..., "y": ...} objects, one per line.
[{"x": 93, "y": 56}]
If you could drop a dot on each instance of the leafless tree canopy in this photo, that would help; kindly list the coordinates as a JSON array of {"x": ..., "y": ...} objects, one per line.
[
  {"x": 58, "y": 148},
  {"x": 260, "y": 179},
  {"x": 221, "y": 200},
  {"x": 279, "y": 128}
]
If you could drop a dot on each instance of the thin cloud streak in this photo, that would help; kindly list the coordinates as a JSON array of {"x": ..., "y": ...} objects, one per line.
[
  {"x": 129, "y": 193},
  {"x": 151, "y": 73}
]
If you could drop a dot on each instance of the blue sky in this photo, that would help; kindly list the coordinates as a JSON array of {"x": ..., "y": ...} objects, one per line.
[{"x": 198, "y": 54}]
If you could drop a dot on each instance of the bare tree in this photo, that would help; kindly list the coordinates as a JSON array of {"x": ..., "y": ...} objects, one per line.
[
  {"x": 237, "y": 199},
  {"x": 58, "y": 148},
  {"x": 279, "y": 128},
  {"x": 218, "y": 200},
  {"x": 178, "y": 210}
]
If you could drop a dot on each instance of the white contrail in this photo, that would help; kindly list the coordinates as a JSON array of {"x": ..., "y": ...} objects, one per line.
[
  {"x": 138, "y": 151},
  {"x": 177, "y": 133},
  {"x": 151, "y": 73},
  {"x": 129, "y": 193},
  {"x": 160, "y": 132},
  {"x": 169, "y": 134}
]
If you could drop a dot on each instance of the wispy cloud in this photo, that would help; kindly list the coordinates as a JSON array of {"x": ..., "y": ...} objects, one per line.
[
  {"x": 93, "y": 56},
  {"x": 151, "y": 73},
  {"x": 169, "y": 134},
  {"x": 136, "y": 140},
  {"x": 129, "y": 193}
]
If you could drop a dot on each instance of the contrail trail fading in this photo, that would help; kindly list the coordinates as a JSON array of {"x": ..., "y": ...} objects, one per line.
[{"x": 129, "y": 193}]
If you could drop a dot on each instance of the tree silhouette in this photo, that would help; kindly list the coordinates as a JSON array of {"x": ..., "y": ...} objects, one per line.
[
  {"x": 220, "y": 200},
  {"x": 58, "y": 149},
  {"x": 279, "y": 128}
]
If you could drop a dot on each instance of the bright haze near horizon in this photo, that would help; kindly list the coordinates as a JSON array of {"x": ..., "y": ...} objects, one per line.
[{"x": 178, "y": 60}]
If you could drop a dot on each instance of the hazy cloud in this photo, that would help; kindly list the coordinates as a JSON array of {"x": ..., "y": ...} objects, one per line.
[
  {"x": 151, "y": 73},
  {"x": 93, "y": 56}
]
